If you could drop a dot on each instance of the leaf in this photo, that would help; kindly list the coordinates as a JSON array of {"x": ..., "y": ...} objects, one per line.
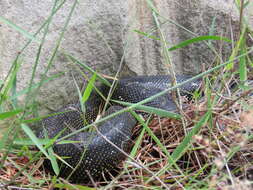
[
  {"x": 182, "y": 147},
  {"x": 155, "y": 138},
  {"x": 5, "y": 115},
  {"x": 37, "y": 142},
  {"x": 89, "y": 88},
  {"x": 197, "y": 39},
  {"x": 34, "y": 139},
  {"x": 152, "y": 110},
  {"x": 186, "y": 42},
  {"x": 11, "y": 77},
  {"x": 29, "y": 142},
  {"x": 53, "y": 161},
  {"x": 180, "y": 150},
  {"x": 236, "y": 49}
]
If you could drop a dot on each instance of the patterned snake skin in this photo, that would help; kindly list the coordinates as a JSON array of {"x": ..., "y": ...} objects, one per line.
[{"x": 93, "y": 154}]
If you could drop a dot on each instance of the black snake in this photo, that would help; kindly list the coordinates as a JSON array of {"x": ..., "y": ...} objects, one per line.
[{"x": 93, "y": 153}]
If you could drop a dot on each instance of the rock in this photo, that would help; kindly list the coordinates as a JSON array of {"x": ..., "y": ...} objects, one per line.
[{"x": 101, "y": 32}]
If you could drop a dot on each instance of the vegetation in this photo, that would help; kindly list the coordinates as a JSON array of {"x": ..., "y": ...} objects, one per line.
[{"x": 208, "y": 145}]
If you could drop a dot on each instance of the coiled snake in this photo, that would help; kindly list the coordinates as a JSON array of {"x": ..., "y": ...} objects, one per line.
[{"x": 93, "y": 154}]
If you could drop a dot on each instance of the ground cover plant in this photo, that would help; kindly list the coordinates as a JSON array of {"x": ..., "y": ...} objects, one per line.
[{"x": 208, "y": 145}]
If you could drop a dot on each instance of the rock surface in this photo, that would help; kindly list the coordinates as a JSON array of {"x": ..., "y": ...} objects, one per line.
[{"x": 101, "y": 33}]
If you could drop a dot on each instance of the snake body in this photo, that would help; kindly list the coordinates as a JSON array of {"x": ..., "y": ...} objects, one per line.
[{"x": 97, "y": 152}]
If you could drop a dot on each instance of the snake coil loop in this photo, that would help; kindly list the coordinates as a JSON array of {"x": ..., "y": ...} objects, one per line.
[{"x": 98, "y": 151}]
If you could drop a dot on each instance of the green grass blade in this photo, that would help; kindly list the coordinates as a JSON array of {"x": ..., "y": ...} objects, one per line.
[
  {"x": 37, "y": 142},
  {"x": 152, "y": 6},
  {"x": 4, "y": 138},
  {"x": 26, "y": 90},
  {"x": 147, "y": 35},
  {"x": 14, "y": 91},
  {"x": 186, "y": 42},
  {"x": 86, "y": 67},
  {"x": 243, "y": 66},
  {"x": 53, "y": 161},
  {"x": 5, "y": 115},
  {"x": 19, "y": 29},
  {"x": 10, "y": 81},
  {"x": 181, "y": 149},
  {"x": 157, "y": 141},
  {"x": 72, "y": 187},
  {"x": 79, "y": 96},
  {"x": 198, "y": 39},
  {"x": 137, "y": 143},
  {"x": 89, "y": 88},
  {"x": 236, "y": 49},
  {"x": 29, "y": 142},
  {"x": 212, "y": 31},
  {"x": 184, "y": 145},
  {"x": 152, "y": 110},
  {"x": 34, "y": 139}
]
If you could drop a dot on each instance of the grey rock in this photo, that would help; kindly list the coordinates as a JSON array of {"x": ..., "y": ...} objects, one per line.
[{"x": 100, "y": 33}]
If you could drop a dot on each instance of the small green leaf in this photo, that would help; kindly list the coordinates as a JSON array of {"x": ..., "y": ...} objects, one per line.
[
  {"x": 53, "y": 161},
  {"x": 5, "y": 115},
  {"x": 89, "y": 88}
]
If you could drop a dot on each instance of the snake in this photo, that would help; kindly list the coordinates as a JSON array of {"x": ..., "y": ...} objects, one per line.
[{"x": 90, "y": 154}]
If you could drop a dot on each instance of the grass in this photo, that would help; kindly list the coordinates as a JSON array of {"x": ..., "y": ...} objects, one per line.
[{"x": 206, "y": 146}]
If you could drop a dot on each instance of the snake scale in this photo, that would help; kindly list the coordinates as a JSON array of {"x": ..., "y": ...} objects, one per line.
[{"x": 93, "y": 153}]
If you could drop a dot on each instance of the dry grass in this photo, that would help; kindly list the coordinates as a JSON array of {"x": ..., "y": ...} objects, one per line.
[
  {"x": 225, "y": 146},
  {"x": 220, "y": 156}
]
